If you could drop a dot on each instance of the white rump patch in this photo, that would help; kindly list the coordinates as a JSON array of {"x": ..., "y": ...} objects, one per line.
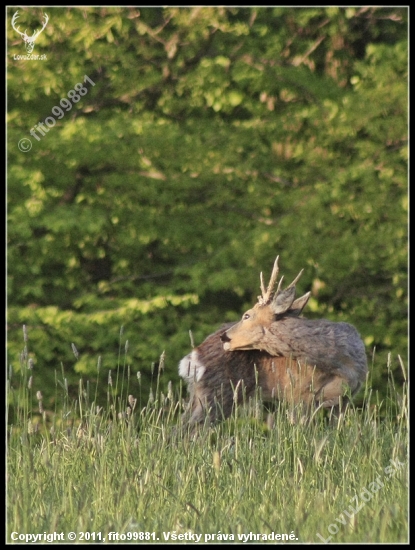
[{"x": 190, "y": 368}]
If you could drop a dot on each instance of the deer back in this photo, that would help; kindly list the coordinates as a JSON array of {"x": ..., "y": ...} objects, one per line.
[
  {"x": 335, "y": 348},
  {"x": 273, "y": 325}
]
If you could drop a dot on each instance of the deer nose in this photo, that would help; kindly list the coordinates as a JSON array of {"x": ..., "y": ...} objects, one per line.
[{"x": 224, "y": 337}]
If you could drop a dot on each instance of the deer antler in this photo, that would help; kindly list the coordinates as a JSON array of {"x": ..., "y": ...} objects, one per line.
[
  {"x": 46, "y": 17},
  {"x": 295, "y": 280},
  {"x": 268, "y": 294},
  {"x": 14, "y": 19}
]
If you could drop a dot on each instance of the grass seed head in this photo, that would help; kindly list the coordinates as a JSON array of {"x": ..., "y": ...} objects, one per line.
[{"x": 75, "y": 351}]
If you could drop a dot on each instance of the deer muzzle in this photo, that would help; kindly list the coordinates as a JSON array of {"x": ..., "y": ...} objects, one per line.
[{"x": 226, "y": 341}]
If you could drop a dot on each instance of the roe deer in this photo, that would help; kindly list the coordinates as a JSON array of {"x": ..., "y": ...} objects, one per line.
[{"x": 301, "y": 361}]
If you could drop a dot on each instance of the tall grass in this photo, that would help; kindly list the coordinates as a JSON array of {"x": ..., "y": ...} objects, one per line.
[{"x": 130, "y": 468}]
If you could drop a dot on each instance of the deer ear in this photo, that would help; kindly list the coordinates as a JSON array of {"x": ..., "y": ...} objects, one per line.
[
  {"x": 298, "y": 305},
  {"x": 283, "y": 301}
]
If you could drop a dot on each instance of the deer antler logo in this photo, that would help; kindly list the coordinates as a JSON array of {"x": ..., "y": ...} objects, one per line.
[{"x": 29, "y": 40}]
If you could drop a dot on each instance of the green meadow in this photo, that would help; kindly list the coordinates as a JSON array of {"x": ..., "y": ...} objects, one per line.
[{"x": 132, "y": 471}]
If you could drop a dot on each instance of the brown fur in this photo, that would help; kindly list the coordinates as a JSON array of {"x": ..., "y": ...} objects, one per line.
[
  {"x": 301, "y": 361},
  {"x": 217, "y": 379}
]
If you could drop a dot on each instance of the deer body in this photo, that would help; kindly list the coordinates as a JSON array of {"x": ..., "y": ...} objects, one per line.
[{"x": 300, "y": 361}]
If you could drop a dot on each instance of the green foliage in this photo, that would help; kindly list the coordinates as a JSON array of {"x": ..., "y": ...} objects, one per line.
[{"x": 212, "y": 140}]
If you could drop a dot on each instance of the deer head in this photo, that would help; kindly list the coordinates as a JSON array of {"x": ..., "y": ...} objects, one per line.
[
  {"x": 29, "y": 40},
  {"x": 272, "y": 306}
]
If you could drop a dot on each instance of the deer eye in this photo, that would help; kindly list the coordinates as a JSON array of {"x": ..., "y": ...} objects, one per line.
[{"x": 246, "y": 316}]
